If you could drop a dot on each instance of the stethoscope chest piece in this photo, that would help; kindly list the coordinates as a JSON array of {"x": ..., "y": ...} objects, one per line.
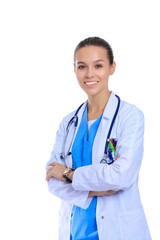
[{"x": 106, "y": 160}]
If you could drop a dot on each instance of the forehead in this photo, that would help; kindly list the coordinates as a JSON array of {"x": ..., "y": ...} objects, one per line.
[{"x": 90, "y": 54}]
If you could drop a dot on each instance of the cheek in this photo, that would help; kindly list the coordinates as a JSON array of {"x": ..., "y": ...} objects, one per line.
[
  {"x": 104, "y": 75},
  {"x": 80, "y": 76}
]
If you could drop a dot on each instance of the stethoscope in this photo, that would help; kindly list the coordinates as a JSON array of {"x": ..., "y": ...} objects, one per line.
[{"x": 74, "y": 120}]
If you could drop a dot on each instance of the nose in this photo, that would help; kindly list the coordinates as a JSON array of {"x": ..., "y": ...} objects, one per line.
[{"x": 89, "y": 72}]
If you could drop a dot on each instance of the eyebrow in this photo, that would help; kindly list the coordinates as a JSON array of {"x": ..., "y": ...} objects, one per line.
[{"x": 99, "y": 60}]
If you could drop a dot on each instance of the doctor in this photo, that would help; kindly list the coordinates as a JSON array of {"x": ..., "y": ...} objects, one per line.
[{"x": 100, "y": 201}]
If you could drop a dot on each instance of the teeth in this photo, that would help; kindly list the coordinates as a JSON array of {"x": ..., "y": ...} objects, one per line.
[{"x": 90, "y": 83}]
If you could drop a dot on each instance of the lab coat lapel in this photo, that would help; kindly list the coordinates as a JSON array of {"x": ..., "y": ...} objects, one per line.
[{"x": 101, "y": 136}]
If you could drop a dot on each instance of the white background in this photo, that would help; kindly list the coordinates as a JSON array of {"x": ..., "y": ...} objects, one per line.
[{"x": 38, "y": 87}]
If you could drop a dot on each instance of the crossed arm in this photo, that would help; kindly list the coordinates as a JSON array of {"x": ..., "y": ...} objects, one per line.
[{"x": 56, "y": 170}]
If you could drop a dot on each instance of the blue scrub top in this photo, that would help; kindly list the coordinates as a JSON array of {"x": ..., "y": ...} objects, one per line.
[{"x": 83, "y": 221}]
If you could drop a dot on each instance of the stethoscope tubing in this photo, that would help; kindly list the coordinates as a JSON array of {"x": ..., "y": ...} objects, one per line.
[
  {"x": 74, "y": 120},
  {"x": 112, "y": 123}
]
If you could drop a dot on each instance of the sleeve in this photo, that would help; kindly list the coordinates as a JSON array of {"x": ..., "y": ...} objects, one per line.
[
  {"x": 63, "y": 190},
  {"x": 124, "y": 171}
]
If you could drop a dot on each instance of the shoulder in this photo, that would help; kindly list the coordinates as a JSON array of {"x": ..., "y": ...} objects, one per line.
[
  {"x": 130, "y": 116},
  {"x": 128, "y": 110},
  {"x": 64, "y": 123},
  {"x": 67, "y": 117},
  {"x": 77, "y": 112}
]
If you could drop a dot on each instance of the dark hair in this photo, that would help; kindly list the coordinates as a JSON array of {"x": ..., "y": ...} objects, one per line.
[{"x": 96, "y": 41}]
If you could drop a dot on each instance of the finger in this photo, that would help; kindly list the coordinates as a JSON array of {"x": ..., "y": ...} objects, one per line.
[
  {"x": 49, "y": 173},
  {"x": 52, "y": 164},
  {"x": 110, "y": 192},
  {"x": 48, "y": 176},
  {"x": 115, "y": 160},
  {"x": 47, "y": 179},
  {"x": 50, "y": 169}
]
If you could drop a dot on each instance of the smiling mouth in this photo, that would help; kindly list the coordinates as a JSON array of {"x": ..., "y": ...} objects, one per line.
[{"x": 90, "y": 83}]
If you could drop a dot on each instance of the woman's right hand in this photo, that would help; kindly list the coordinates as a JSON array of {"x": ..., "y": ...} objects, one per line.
[{"x": 101, "y": 193}]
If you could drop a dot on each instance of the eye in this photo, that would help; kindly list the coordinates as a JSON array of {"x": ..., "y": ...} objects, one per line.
[
  {"x": 98, "y": 65},
  {"x": 81, "y": 67}
]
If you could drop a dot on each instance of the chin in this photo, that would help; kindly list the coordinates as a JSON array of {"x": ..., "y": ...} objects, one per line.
[
  {"x": 96, "y": 92},
  {"x": 92, "y": 93}
]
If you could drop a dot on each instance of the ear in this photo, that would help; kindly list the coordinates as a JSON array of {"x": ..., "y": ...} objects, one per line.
[{"x": 112, "y": 68}]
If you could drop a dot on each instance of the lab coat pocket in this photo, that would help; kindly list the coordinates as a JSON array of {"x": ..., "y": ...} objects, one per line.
[{"x": 133, "y": 225}]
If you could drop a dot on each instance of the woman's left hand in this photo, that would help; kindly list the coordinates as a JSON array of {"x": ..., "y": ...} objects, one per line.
[{"x": 56, "y": 170}]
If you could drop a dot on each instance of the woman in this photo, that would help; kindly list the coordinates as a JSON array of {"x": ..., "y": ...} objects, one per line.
[{"x": 99, "y": 192}]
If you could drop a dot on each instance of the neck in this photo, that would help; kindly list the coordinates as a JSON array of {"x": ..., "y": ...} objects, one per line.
[{"x": 98, "y": 102}]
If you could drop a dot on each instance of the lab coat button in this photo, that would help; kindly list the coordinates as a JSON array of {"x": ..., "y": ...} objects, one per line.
[{"x": 102, "y": 217}]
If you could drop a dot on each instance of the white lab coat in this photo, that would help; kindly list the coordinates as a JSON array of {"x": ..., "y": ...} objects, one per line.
[{"x": 119, "y": 216}]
